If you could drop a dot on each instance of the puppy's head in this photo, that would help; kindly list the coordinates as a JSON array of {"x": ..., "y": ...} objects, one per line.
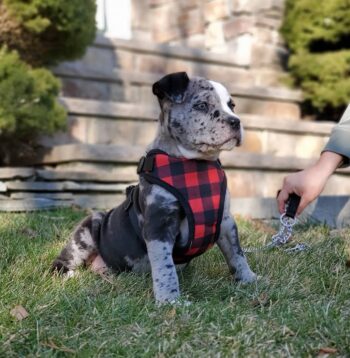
[{"x": 198, "y": 114}]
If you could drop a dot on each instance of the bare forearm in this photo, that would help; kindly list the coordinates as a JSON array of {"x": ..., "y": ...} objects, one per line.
[
  {"x": 328, "y": 163},
  {"x": 309, "y": 183}
]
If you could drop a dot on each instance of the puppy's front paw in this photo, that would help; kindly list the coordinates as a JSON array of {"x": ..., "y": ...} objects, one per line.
[
  {"x": 179, "y": 302},
  {"x": 246, "y": 277}
]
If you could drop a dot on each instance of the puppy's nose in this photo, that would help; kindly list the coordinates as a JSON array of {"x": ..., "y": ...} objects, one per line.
[{"x": 234, "y": 122}]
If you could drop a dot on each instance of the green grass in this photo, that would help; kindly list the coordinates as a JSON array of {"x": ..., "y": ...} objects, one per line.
[{"x": 301, "y": 304}]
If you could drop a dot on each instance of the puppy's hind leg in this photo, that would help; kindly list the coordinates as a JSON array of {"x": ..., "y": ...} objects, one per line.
[{"x": 80, "y": 247}]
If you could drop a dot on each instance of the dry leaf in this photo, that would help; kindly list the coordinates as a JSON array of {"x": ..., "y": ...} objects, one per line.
[
  {"x": 286, "y": 331},
  {"x": 171, "y": 313},
  {"x": 262, "y": 300},
  {"x": 19, "y": 312},
  {"x": 326, "y": 350},
  {"x": 52, "y": 345}
]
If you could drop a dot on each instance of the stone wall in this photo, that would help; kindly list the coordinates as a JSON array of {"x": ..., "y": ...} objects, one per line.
[{"x": 244, "y": 30}]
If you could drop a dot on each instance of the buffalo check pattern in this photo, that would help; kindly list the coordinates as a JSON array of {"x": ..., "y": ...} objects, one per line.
[{"x": 200, "y": 186}]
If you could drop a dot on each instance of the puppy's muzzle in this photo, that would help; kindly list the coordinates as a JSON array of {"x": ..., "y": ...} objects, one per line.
[{"x": 234, "y": 122}]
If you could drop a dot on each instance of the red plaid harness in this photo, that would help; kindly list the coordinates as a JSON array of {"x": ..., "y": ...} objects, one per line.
[{"x": 200, "y": 187}]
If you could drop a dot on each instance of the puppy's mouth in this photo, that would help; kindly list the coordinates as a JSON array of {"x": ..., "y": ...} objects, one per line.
[{"x": 227, "y": 144}]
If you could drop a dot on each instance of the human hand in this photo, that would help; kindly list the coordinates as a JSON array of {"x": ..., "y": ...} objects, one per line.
[{"x": 308, "y": 183}]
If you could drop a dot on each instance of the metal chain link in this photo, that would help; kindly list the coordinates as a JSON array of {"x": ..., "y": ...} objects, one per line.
[{"x": 281, "y": 238}]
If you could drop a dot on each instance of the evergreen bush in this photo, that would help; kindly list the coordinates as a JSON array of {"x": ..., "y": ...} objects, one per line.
[
  {"x": 28, "y": 103},
  {"x": 318, "y": 35},
  {"x": 45, "y": 32}
]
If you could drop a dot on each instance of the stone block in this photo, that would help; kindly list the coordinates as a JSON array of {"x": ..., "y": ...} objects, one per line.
[
  {"x": 269, "y": 22},
  {"x": 241, "y": 49},
  {"x": 142, "y": 35},
  {"x": 214, "y": 34},
  {"x": 216, "y": 10},
  {"x": 267, "y": 77},
  {"x": 94, "y": 171},
  {"x": 124, "y": 59},
  {"x": 256, "y": 6},
  {"x": 253, "y": 141},
  {"x": 301, "y": 146},
  {"x": 197, "y": 40},
  {"x": 329, "y": 210},
  {"x": 63, "y": 186},
  {"x": 165, "y": 22},
  {"x": 268, "y": 36},
  {"x": 166, "y": 35},
  {"x": 238, "y": 26},
  {"x": 98, "y": 56},
  {"x": 117, "y": 92},
  {"x": 253, "y": 182},
  {"x": 3, "y": 187},
  {"x": 16, "y": 173},
  {"x": 154, "y": 3},
  {"x": 140, "y": 15},
  {"x": 85, "y": 89},
  {"x": 191, "y": 22},
  {"x": 118, "y": 132},
  {"x": 269, "y": 56},
  {"x": 271, "y": 109},
  {"x": 51, "y": 196},
  {"x": 244, "y": 6},
  {"x": 101, "y": 201},
  {"x": 189, "y": 4},
  {"x": 157, "y": 64},
  {"x": 33, "y": 204}
]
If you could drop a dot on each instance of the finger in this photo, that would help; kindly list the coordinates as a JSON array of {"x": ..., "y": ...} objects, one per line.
[
  {"x": 282, "y": 199},
  {"x": 304, "y": 202}
]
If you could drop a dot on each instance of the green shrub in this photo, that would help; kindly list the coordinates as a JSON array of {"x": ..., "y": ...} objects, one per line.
[
  {"x": 45, "y": 32},
  {"x": 318, "y": 35},
  {"x": 28, "y": 102}
]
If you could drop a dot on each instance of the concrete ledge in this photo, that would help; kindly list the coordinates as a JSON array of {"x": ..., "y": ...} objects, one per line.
[
  {"x": 119, "y": 154},
  {"x": 80, "y": 71},
  {"x": 333, "y": 211},
  {"x": 104, "y": 153},
  {"x": 32, "y": 204},
  {"x": 173, "y": 51},
  {"x": 119, "y": 110}
]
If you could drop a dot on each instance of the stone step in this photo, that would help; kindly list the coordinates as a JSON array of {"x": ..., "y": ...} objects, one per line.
[
  {"x": 249, "y": 175},
  {"x": 81, "y": 81},
  {"x": 32, "y": 204},
  {"x": 328, "y": 210},
  {"x": 99, "y": 122}
]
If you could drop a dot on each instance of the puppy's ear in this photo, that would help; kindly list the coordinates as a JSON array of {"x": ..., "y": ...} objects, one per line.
[{"x": 172, "y": 86}]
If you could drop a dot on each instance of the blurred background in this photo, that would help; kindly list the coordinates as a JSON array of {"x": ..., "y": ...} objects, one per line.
[{"x": 76, "y": 107}]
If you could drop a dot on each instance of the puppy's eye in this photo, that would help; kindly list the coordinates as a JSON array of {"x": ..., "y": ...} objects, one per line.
[
  {"x": 202, "y": 106},
  {"x": 231, "y": 105}
]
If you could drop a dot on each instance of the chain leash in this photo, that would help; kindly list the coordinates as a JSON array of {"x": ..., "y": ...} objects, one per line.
[{"x": 287, "y": 221}]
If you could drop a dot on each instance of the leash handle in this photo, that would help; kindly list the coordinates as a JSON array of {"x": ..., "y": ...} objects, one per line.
[{"x": 292, "y": 205}]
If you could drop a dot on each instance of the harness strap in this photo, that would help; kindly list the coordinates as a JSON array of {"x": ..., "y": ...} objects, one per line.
[{"x": 132, "y": 207}]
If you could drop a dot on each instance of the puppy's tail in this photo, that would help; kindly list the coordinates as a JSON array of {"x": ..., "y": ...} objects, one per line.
[{"x": 81, "y": 246}]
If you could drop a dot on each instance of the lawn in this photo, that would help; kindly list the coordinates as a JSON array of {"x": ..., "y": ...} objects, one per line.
[{"x": 300, "y": 308}]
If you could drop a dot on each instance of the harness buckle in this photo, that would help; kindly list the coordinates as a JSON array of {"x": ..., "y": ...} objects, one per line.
[{"x": 146, "y": 164}]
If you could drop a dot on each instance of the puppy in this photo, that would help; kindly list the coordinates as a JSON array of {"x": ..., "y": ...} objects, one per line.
[{"x": 181, "y": 206}]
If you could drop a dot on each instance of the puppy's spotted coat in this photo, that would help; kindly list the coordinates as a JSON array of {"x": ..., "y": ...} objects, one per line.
[{"x": 196, "y": 122}]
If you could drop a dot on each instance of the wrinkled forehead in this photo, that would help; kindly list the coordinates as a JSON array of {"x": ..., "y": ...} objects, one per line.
[{"x": 202, "y": 87}]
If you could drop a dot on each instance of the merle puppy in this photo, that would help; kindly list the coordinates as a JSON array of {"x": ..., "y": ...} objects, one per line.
[{"x": 181, "y": 206}]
